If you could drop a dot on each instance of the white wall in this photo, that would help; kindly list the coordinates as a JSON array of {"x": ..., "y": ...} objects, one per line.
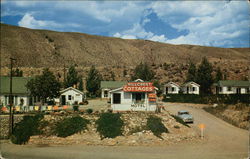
[
  {"x": 169, "y": 87},
  {"x": 103, "y": 93},
  {"x": 75, "y": 96},
  {"x": 190, "y": 87},
  {"x": 224, "y": 90},
  {"x": 16, "y": 100},
  {"x": 127, "y": 104}
]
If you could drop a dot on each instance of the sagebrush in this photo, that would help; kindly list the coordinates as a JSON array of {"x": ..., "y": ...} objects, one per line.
[
  {"x": 27, "y": 127},
  {"x": 156, "y": 126},
  {"x": 109, "y": 125},
  {"x": 71, "y": 125}
]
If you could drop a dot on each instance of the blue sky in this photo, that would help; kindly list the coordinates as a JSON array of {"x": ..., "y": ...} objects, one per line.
[{"x": 207, "y": 23}]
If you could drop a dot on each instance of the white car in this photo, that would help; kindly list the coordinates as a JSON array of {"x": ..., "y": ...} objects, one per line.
[{"x": 185, "y": 116}]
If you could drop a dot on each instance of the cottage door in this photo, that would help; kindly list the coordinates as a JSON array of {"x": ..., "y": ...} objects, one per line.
[
  {"x": 63, "y": 100},
  {"x": 238, "y": 90}
]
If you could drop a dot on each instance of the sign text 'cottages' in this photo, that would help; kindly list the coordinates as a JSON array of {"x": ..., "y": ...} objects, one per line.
[{"x": 138, "y": 87}]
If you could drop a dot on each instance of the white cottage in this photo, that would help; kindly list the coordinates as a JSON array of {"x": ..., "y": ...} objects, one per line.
[
  {"x": 19, "y": 91},
  {"x": 171, "y": 88},
  {"x": 134, "y": 96},
  {"x": 70, "y": 96},
  {"x": 107, "y": 86},
  {"x": 191, "y": 88},
  {"x": 232, "y": 87}
]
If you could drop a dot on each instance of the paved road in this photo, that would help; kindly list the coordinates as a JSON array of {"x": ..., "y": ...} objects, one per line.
[{"x": 222, "y": 141}]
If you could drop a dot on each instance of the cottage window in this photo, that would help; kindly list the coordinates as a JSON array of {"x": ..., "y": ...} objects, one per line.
[
  {"x": 117, "y": 98},
  {"x": 248, "y": 90},
  {"x": 15, "y": 100},
  {"x": 105, "y": 93},
  {"x": 194, "y": 89},
  {"x": 69, "y": 97},
  {"x": 6, "y": 100},
  {"x": 173, "y": 89},
  {"x": 220, "y": 89},
  {"x": 229, "y": 88},
  {"x": 138, "y": 97}
]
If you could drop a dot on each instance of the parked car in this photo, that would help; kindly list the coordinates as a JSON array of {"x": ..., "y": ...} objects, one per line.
[{"x": 185, "y": 116}]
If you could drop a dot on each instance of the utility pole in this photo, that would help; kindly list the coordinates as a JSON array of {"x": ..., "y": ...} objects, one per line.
[
  {"x": 64, "y": 75},
  {"x": 11, "y": 115}
]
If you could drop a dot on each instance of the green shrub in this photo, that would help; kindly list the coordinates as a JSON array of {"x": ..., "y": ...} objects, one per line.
[
  {"x": 109, "y": 125},
  {"x": 76, "y": 108},
  {"x": 156, "y": 126},
  {"x": 179, "y": 120},
  {"x": 70, "y": 126},
  {"x": 26, "y": 128},
  {"x": 176, "y": 127},
  {"x": 89, "y": 111}
]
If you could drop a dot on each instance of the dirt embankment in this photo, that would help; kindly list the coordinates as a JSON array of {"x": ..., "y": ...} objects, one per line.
[
  {"x": 238, "y": 115},
  {"x": 133, "y": 134}
]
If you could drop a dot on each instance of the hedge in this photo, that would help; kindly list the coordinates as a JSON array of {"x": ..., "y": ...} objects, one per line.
[{"x": 206, "y": 99}]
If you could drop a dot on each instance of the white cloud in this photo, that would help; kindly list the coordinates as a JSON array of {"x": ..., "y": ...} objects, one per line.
[
  {"x": 146, "y": 20},
  {"x": 217, "y": 23},
  {"x": 30, "y": 22},
  {"x": 159, "y": 38},
  {"x": 106, "y": 11},
  {"x": 138, "y": 32},
  {"x": 25, "y": 3},
  {"x": 208, "y": 23}
]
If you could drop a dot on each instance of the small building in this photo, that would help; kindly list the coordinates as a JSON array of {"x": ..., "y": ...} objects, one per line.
[
  {"x": 107, "y": 86},
  {"x": 134, "y": 96},
  {"x": 191, "y": 88},
  {"x": 171, "y": 88},
  {"x": 19, "y": 91},
  {"x": 232, "y": 87},
  {"x": 70, "y": 96}
]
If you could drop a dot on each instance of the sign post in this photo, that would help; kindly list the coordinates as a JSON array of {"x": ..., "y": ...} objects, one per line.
[{"x": 202, "y": 127}]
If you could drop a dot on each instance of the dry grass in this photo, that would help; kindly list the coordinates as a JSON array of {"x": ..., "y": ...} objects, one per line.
[{"x": 35, "y": 49}]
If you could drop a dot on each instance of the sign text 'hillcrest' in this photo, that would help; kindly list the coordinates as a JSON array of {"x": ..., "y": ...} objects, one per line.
[{"x": 138, "y": 87}]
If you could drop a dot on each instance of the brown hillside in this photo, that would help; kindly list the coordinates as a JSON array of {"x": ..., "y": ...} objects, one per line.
[{"x": 43, "y": 48}]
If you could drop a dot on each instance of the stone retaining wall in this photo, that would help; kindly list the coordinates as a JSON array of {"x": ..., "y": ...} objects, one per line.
[{"x": 4, "y": 127}]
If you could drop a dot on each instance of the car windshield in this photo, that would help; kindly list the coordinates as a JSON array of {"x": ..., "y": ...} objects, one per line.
[{"x": 181, "y": 113}]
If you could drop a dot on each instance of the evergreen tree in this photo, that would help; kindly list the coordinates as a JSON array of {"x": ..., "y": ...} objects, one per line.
[
  {"x": 93, "y": 81},
  {"x": 112, "y": 76},
  {"x": 124, "y": 73},
  {"x": 44, "y": 86},
  {"x": 225, "y": 76},
  {"x": 157, "y": 84},
  {"x": 204, "y": 76},
  {"x": 191, "y": 75},
  {"x": 17, "y": 73},
  {"x": 218, "y": 75},
  {"x": 142, "y": 71},
  {"x": 72, "y": 77},
  {"x": 80, "y": 87}
]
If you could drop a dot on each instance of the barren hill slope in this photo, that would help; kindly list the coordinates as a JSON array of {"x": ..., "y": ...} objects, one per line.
[{"x": 43, "y": 48}]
